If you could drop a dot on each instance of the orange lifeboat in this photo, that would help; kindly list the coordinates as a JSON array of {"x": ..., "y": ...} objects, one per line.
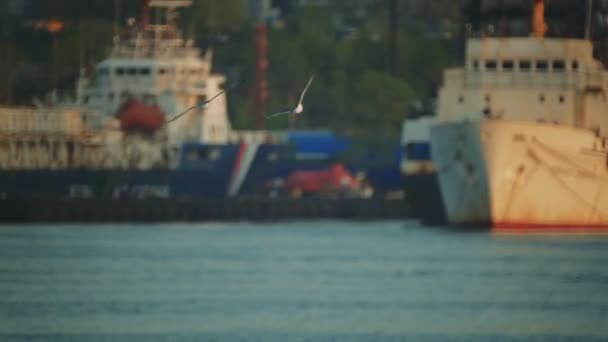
[{"x": 137, "y": 116}]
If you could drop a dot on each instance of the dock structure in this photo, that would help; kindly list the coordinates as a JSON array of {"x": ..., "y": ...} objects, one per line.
[{"x": 197, "y": 210}]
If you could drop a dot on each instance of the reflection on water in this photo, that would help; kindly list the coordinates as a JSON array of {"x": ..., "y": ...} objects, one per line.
[{"x": 303, "y": 281}]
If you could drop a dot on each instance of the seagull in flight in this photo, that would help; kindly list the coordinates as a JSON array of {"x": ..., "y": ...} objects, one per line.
[
  {"x": 204, "y": 103},
  {"x": 299, "y": 108}
]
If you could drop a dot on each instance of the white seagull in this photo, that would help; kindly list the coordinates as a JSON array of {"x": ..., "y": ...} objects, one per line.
[
  {"x": 299, "y": 108},
  {"x": 202, "y": 104}
]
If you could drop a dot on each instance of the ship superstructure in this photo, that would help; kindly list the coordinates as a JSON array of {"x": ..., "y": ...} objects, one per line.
[
  {"x": 150, "y": 65},
  {"x": 156, "y": 65},
  {"x": 521, "y": 133},
  {"x": 114, "y": 139}
]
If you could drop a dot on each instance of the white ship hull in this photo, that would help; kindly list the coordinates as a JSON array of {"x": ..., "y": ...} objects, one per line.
[{"x": 521, "y": 175}]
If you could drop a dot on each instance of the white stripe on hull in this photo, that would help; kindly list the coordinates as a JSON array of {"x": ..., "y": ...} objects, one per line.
[
  {"x": 505, "y": 173},
  {"x": 245, "y": 166}
]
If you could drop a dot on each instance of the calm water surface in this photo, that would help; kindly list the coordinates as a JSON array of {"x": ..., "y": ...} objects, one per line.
[{"x": 299, "y": 281}]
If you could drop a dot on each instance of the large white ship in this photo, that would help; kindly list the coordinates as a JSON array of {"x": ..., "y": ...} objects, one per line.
[
  {"x": 521, "y": 134},
  {"x": 114, "y": 139}
]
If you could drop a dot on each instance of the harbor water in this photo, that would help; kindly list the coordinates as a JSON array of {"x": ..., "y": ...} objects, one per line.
[{"x": 298, "y": 281}]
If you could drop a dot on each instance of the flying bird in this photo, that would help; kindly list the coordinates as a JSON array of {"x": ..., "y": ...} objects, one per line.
[
  {"x": 299, "y": 107},
  {"x": 204, "y": 103}
]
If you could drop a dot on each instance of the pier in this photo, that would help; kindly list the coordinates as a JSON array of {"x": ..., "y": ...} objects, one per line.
[{"x": 198, "y": 210}]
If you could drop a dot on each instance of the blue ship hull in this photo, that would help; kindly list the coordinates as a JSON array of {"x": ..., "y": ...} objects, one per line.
[{"x": 203, "y": 171}]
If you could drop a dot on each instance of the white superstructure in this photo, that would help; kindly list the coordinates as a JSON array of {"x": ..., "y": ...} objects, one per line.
[
  {"x": 521, "y": 134},
  {"x": 156, "y": 65},
  {"x": 151, "y": 63}
]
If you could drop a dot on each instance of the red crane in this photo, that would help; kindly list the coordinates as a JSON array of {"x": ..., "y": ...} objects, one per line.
[{"x": 261, "y": 86}]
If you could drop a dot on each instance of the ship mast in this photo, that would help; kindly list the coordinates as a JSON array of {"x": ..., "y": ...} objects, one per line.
[
  {"x": 588, "y": 20},
  {"x": 261, "y": 46}
]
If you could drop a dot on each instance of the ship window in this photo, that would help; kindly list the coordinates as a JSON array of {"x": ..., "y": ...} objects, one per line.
[
  {"x": 204, "y": 153},
  {"x": 542, "y": 66},
  {"x": 575, "y": 65},
  {"x": 461, "y": 99},
  {"x": 541, "y": 98},
  {"x": 162, "y": 71},
  {"x": 559, "y": 66},
  {"x": 144, "y": 71},
  {"x": 120, "y": 71},
  {"x": 491, "y": 65},
  {"x": 409, "y": 150},
  {"x": 525, "y": 65},
  {"x": 561, "y": 99},
  {"x": 507, "y": 65},
  {"x": 487, "y": 112},
  {"x": 475, "y": 65},
  {"x": 132, "y": 71}
]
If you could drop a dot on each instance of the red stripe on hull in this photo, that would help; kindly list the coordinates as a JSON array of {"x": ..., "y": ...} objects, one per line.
[
  {"x": 546, "y": 228},
  {"x": 523, "y": 228},
  {"x": 239, "y": 160}
]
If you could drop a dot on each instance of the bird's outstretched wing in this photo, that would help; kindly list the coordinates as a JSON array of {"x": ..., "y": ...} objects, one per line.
[
  {"x": 299, "y": 103},
  {"x": 200, "y": 105},
  {"x": 279, "y": 113},
  {"x": 223, "y": 91},
  {"x": 305, "y": 89}
]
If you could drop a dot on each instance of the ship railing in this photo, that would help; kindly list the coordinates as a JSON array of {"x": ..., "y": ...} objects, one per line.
[
  {"x": 164, "y": 50},
  {"x": 517, "y": 79},
  {"x": 150, "y": 86},
  {"x": 40, "y": 121}
]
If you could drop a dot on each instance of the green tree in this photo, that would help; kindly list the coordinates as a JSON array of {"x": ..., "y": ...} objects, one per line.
[
  {"x": 378, "y": 103},
  {"x": 87, "y": 42},
  {"x": 209, "y": 17}
]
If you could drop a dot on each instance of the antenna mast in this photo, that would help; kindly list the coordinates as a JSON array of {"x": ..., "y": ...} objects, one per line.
[
  {"x": 588, "y": 20},
  {"x": 116, "y": 18}
]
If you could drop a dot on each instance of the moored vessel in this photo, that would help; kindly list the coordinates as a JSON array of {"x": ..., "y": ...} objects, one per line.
[
  {"x": 418, "y": 172},
  {"x": 520, "y": 141},
  {"x": 120, "y": 136},
  {"x": 114, "y": 139}
]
